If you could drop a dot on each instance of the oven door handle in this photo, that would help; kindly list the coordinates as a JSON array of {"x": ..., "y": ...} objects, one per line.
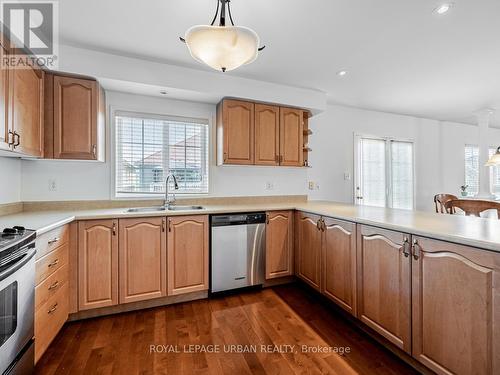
[{"x": 18, "y": 265}]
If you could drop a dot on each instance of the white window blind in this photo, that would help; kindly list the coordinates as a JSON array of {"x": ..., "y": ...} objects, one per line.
[
  {"x": 402, "y": 174},
  {"x": 150, "y": 147},
  {"x": 373, "y": 176},
  {"x": 472, "y": 171},
  {"x": 384, "y": 173}
]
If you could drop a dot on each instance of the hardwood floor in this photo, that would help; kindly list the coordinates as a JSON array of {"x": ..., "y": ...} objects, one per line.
[{"x": 286, "y": 315}]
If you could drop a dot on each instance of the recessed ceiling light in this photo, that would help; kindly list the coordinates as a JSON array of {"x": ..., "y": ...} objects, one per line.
[
  {"x": 443, "y": 8},
  {"x": 342, "y": 73},
  {"x": 163, "y": 92}
]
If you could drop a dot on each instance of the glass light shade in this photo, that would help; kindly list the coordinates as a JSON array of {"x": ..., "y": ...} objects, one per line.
[
  {"x": 494, "y": 159},
  {"x": 222, "y": 47}
]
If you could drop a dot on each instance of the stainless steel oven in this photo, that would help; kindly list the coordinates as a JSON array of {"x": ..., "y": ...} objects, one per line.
[{"x": 17, "y": 302}]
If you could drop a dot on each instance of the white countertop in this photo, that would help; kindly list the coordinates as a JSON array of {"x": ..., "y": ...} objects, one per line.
[{"x": 472, "y": 231}]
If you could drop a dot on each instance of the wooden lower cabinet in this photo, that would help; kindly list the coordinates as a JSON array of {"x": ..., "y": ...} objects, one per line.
[
  {"x": 187, "y": 254},
  {"x": 97, "y": 263},
  {"x": 279, "y": 244},
  {"x": 142, "y": 258},
  {"x": 339, "y": 263},
  {"x": 51, "y": 296},
  {"x": 456, "y": 308},
  {"x": 308, "y": 260},
  {"x": 384, "y": 284}
]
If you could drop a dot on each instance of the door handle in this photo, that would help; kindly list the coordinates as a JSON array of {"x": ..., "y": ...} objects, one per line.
[
  {"x": 267, "y": 218},
  {"x": 406, "y": 252},
  {"x": 416, "y": 249},
  {"x": 16, "y": 139}
]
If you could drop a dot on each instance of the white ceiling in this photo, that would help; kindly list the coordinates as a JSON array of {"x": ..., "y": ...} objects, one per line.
[{"x": 401, "y": 57}]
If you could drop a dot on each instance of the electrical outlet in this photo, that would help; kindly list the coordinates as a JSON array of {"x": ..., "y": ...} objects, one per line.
[
  {"x": 311, "y": 185},
  {"x": 52, "y": 184},
  {"x": 347, "y": 176},
  {"x": 269, "y": 186}
]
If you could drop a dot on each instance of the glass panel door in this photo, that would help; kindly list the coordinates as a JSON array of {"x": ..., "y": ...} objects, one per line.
[{"x": 371, "y": 188}]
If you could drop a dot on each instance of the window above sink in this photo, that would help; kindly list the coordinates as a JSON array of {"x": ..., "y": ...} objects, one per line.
[{"x": 150, "y": 147}]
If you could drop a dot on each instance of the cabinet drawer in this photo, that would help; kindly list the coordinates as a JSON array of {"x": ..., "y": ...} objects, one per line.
[
  {"x": 49, "y": 318},
  {"x": 51, "y": 285},
  {"x": 50, "y": 263},
  {"x": 51, "y": 240}
]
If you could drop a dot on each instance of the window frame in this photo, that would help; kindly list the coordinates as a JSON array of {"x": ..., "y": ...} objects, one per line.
[
  {"x": 388, "y": 169},
  {"x": 491, "y": 149},
  {"x": 114, "y": 112}
]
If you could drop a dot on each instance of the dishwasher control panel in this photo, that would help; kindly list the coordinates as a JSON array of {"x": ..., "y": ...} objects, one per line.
[{"x": 238, "y": 219}]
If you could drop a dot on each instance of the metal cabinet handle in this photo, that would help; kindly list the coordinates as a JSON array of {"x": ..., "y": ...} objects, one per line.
[
  {"x": 54, "y": 263},
  {"x": 406, "y": 252},
  {"x": 114, "y": 229},
  {"x": 416, "y": 249},
  {"x": 170, "y": 225},
  {"x": 52, "y": 309},
  {"x": 317, "y": 224},
  {"x": 267, "y": 218},
  {"x": 163, "y": 225},
  {"x": 16, "y": 139},
  {"x": 94, "y": 150},
  {"x": 53, "y": 240},
  {"x": 54, "y": 285}
]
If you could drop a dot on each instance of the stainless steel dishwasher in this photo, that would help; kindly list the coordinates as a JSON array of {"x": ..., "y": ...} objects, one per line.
[{"x": 238, "y": 251}]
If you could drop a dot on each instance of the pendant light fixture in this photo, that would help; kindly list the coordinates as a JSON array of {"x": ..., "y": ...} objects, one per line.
[
  {"x": 222, "y": 47},
  {"x": 494, "y": 160}
]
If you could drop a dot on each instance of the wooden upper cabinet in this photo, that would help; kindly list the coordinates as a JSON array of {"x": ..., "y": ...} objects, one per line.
[
  {"x": 5, "y": 131},
  {"x": 291, "y": 137},
  {"x": 143, "y": 259},
  {"x": 187, "y": 254},
  {"x": 236, "y": 124},
  {"x": 279, "y": 244},
  {"x": 384, "y": 284},
  {"x": 267, "y": 134},
  {"x": 26, "y": 110},
  {"x": 456, "y": 308},
  {"x": 75, "y": 118},
  {"x": 97, "y": 263},
  {"x": 308, "y": 260},
  {"x": 339, "y": 263}
]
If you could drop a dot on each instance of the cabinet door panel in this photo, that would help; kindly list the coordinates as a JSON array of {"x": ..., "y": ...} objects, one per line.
[
  {"x": 97, "y": 264},
  {"x": 279, "y": 244},
  {"x": 238, "y": 129},
  {"x": 26, "y": 109},
  {"x": 309, "y": 250},
  {"x": 187, "y": 253},
  {"x": 384, "y": 284},
  {"x": 339, "y": 263},
  {"x": 142, "y": 259},
  {"x": 456, "y": 308},
  {"x": 267, "y": 133},
  {"x": 75, "y": 118},
  {"x": 291, "y": 137}
]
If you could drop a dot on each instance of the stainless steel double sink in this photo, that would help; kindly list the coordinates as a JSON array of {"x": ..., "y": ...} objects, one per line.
[{"x": 163, "y": 208}]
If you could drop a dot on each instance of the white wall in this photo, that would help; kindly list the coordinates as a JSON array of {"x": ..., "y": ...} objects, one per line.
[
  {"x": 439, "y": 151},
  {"x": 10, "y": 180},
  {"x": 90, "y": 180}
]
